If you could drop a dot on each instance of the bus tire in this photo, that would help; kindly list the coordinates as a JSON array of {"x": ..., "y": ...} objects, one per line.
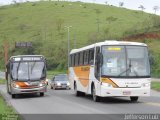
[
  {"x": 134, "y": 99},
  {"x": 95, "y": 97},
  {"x": 41, "y": 94},
  {"x": 51, "y": 87},
  {"x": 13, "y": 95},
  {"x": 77, "y": 93}
]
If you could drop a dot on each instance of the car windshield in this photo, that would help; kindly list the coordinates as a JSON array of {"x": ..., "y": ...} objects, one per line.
[
  {"x": 125, "y": 61},
  {"x": 61, "y": 78},
  {"x": 28, "y": 70}
]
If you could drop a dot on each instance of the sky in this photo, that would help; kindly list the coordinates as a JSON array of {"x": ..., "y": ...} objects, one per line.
[{"x": 130, "y": 4}]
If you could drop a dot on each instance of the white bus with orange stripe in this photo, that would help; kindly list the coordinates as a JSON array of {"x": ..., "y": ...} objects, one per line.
[
  {"x": 110, "y": 68},
  {"x": 26, "y": 74}
]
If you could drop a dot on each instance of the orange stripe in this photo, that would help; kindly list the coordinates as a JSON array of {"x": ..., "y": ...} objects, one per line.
[
  {"x": 109, "y": 81},
  {"x": 82, "y": 74},
  {"x": 21, "y": 84},
  {"x": 24, "y": 85}
]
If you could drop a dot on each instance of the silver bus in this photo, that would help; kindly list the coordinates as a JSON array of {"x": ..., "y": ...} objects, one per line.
[{"x": 26, "y": 74}]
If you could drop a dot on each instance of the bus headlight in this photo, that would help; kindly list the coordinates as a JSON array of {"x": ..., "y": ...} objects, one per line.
[
  {"x": 15, "y": 85},
  {"x": 145, "y": 84},
  {"x": 42, "y": 83},
  {"x": 106, "y": 84}
]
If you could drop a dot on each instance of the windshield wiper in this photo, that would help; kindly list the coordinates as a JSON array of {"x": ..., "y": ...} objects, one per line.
[
  {"x": 135, "y": 72},
  {"x": 18, "y": 69},
  {"x": 33, "y": 66},
  {"x": 128, "y": 69}
]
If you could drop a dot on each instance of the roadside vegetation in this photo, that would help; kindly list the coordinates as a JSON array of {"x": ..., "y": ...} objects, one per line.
[
  {"x": 2, "y": 81},
  {"x": 51, "y": 73},
  {"x": 155, "y": 86},
  {"x": 43, "y": 23},
  {"x": 6, "y": 111}
]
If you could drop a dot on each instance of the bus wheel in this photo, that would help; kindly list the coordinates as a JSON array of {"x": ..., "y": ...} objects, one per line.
[
  {"x": 13, "y": 95},
  {"x": 95, "y": 97},
  {"x": 77, "y": 93},
  {"x": 51, "y": 87},
  {"x": 41, "y": 94},
  {"x": 134, "y": 99}
]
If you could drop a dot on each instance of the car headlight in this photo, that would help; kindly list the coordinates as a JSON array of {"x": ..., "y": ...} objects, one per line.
[
  {"x": 59, "y": 84},
  {"x": 106, "y": 84},
  {"x": 68, "y": 84},
  {"x": 15, "y": 85},
  {"x": 145, "y": 84}
]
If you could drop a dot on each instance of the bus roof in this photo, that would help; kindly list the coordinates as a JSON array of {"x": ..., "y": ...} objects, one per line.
[{"x": 108, "y": 42}]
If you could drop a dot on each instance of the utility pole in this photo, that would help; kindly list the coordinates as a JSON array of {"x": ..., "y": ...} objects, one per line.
[
  {"x": 68, "y": 29},
  {"x": 5, "y": 47},
  {"x": 98, "y": 22},
  {"x": 75, "y": 40}
]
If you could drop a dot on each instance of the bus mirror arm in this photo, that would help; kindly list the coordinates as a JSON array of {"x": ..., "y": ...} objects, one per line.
[
  {"x": 151, "y": 60},
  {"x": 100, "y": 59}
]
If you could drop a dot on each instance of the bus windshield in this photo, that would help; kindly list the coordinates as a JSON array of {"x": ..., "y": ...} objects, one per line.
[
  {"x": 125, "y": 61},
  {"x": 30, "y": 70}
]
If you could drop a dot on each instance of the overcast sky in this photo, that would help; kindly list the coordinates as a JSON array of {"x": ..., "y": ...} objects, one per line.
[{"x": 131, "y": 4}]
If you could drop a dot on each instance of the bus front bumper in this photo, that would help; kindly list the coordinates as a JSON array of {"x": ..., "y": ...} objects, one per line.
[
  {"x": 106, "y": 92},
  {"x": 31, "y": 90}
]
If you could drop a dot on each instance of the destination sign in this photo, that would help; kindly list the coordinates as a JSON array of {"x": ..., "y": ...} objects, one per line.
[{"x": 23, "y": 44}]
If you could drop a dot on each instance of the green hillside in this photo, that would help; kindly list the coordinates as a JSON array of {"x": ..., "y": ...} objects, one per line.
[{"x": 43, "y": 23}]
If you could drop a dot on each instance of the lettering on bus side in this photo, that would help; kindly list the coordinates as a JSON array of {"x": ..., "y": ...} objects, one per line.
[{"x": 85, "y": 68}]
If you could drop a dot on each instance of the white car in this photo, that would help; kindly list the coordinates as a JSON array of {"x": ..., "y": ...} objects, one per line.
[{"x": 60, "y": 81}]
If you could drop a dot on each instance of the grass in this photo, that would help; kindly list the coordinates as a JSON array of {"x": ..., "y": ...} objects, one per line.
[
  {"x": 51, "y": 73},
  {"x": 43, "y": 23},
  {"x": 155, "y": 86},
  {"x": 2, "y": 81},
  {"x": 6, "y": 111}
]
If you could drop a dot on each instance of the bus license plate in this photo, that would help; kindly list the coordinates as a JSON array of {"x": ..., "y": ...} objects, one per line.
[
  {"x": 126, "y": 92},
  {"x": 34, "y": 83}
]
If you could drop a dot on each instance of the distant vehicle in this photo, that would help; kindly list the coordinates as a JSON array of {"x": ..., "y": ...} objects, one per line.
[
  {"x": 26, "y": 74},
  {"x": 110, "y": 68},
  {"x": 60, "y": 81}
]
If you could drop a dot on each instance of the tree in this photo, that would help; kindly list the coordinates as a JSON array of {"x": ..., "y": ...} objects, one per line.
[
  {"x": 59, "y": 24},
  {"x": 106, "y": 2},
  {"x": 142, "y": 7},
  {"x": 94, "y": 1},
  {"x": 98, "y": 12},
  {"x": 14, "y": 1},
  {"x": 155, "y": 8},
  {"x": 121, "y": 4}
]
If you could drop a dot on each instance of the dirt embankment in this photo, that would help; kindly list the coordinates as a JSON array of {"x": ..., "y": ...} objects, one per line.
[{"x": 154, "y": 35}]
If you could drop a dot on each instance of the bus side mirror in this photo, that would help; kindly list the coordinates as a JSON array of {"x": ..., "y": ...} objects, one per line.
[
  {"x": 100, "y": 59},
  {"x": 151, "y": 60}
]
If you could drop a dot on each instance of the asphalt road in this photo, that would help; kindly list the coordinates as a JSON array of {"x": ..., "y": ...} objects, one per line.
[{"x": 65, "y": 102}]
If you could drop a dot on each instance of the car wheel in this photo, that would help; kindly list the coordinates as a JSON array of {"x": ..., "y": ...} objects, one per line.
[
  {"x": 95, "y": 97},
  {"x": 54, "y": 87}
]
